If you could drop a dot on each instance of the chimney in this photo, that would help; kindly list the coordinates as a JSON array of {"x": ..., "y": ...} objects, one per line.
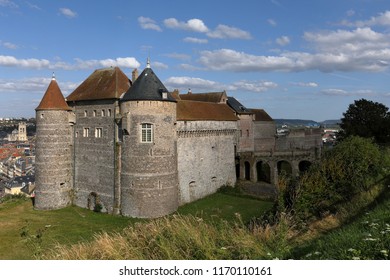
[{"x": 134, "y": 75}]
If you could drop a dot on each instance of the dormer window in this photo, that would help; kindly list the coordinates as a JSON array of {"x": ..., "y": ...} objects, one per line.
[{"x": 164, "y": 95}]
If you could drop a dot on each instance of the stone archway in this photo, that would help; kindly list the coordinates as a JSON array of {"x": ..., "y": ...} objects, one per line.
[
  {"x": 263, "y": 172},
  {"x": 304, "y": 165},
  {"x": 247, "y": 166},
  {"x": 284, "y": 168},
  {"x": 93, "y": 202}
]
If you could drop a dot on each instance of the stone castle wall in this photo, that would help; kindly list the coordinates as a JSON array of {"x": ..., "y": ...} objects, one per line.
[
  {"x": 205, "y": 157},
  {"x": 94, "y": 158}
]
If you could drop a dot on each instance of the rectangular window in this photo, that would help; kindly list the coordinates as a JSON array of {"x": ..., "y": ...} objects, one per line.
[
  {"x": 146, "y": 133},
  {"x": 77, "y": 134},
  {"x": 85, "y": 113},
  {"x": 94, "y": 113},
  {"x": 103, "y": 113},
  {"x": 98, "y": 132},
  {"x": 109, "y": 113},
  {"x": 86, "y": 132}
]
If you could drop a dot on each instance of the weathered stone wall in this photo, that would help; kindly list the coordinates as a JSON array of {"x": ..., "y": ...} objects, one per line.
[
  {"x": 245, "y": 133},
  {"x": 94, "y": 158},
  {"x": 205, "y": 157},
  {"x": 264, "y": 135},
  {"x": 53, "y": 159},
  {"x": 149, "y": 180}
]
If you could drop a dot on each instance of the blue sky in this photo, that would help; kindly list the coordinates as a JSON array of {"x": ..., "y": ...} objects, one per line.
[{"x": 295, "y": 59}]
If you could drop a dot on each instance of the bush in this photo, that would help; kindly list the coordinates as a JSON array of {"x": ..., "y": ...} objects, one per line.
[{"x": 353, "y": 166}]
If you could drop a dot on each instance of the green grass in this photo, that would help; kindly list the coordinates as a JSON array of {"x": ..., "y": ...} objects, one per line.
[
  {"x": 25, "y": 233},
  {"x": 366, "y": 237},
  {"x": 225, "y": 206}
]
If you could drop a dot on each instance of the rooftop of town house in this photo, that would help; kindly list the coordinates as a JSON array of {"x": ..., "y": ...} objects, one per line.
[{"x": 214, "y": 97}]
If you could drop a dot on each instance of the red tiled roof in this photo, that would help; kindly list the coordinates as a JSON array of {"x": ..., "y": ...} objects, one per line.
[
  {"x": 108, "y": 83},
  {"x": 53, "y": 99},
  {"x": 197, "y": 111}
]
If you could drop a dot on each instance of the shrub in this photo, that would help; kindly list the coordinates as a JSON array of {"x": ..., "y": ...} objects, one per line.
[{"x": 353, "y": 166}]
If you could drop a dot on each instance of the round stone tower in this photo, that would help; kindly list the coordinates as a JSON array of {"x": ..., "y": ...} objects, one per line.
[
  {"x": 53, "y": 161},
  {"x": 149, "y": 176}
]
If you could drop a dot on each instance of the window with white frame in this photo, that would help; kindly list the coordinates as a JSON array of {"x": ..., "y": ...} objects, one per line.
[
  {"x": 146, "y": 133},
  {"x": 98, "y": 132},
  {"x": 86, "y": 132}
]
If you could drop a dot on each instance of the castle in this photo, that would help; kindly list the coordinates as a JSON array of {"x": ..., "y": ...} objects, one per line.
[{"x": 133, "y": 148}]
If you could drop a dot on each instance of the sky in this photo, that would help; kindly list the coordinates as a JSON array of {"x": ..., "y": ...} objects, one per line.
[{"x": 295, "y": 59}]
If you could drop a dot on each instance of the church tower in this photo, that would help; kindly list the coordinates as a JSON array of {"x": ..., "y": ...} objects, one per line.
[
  {"x": 53, "y": 178},
  {"x": 149, "y": 177}
]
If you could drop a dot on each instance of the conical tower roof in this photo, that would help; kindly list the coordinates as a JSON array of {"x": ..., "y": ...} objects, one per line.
[
  {"x": 148, "y": 87},
  {"x": 53, "y": 98}
]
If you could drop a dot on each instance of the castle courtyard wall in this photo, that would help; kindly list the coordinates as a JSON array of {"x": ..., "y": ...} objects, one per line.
[{"x": 205, "y": 157}]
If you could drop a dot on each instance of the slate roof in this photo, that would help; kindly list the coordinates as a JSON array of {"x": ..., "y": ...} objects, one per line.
[
  {"x": 261, "y": 115},
  {"x": 147, "y": 87},
  {"x": 215, "y": 97},
  {"x": 237, "y": 106},
  {"x": 203, "y": 111},
  {"x": 106, "y": 83},
  {"x": 53, "y": 98}
]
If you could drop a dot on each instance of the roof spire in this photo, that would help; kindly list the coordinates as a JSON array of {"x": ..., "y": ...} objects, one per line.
[
  {"x": 53, "y": 76},
  {"x": 148, "y": 63}
]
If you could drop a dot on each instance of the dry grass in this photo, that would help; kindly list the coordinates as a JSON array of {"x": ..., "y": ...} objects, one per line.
[{"x": 177, "y": 237}]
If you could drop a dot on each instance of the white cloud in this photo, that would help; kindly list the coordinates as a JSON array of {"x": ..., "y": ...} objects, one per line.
[
  {"x": 7, "y": 3},
  {"x": 148, "y": 23},
  {"x": 195, "y": 40},
  {"x": 271, "y": 22},
  {"x": 33, "y": 63},
  {"x": 159, "y": 65},
  {"x": 302, "y": 84},
  {"x": 195, "y": 25},
  {"x": 283, "y": 41},
  {"x": 9, "y": 45},
  {"x": 341, "y": 92},
  {"x": 198, "y": 84},
  {"x": 383, "y": 19},
  {"x": 32, "y": 85},
  {"x": 252, "y": 86},
  {"x": 10, "y": 61},
  {"x": 223, "y": 31},
  {"x": 68, "y": 12},
  {"x": 361, "y": 49}
]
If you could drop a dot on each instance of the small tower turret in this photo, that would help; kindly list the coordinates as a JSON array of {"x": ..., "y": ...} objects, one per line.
[
  {"x": 149, "y": 177},
  {"x": 53, "y": 178}
]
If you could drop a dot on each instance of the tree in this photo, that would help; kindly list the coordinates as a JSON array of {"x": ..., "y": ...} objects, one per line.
[{"x": 366, "y": 119}]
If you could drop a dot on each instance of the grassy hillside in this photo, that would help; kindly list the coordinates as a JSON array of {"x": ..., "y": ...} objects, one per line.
[{"x": 26, "y": 233}]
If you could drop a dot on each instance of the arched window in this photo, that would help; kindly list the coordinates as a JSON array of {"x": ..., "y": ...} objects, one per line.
[{"x": 146, "y": 133}]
